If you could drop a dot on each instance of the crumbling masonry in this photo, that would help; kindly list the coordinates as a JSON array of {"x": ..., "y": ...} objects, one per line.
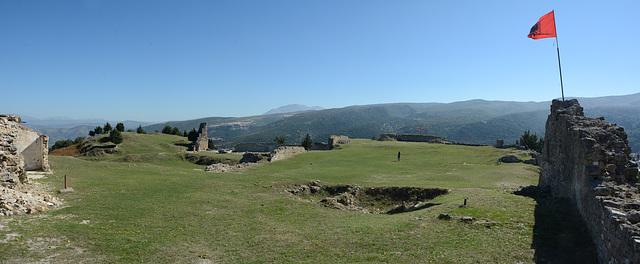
[
  {"x": 202, "y": 143},
  {"x": 21, "y": 150},
  {"x": 587, "y": 160}
]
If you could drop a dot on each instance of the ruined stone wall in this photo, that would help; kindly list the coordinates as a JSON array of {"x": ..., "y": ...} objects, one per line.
[
  {"x": 12, "y": 167},
  {"x": 284, "y": 152},
  {"x": 202, "y": 143},
  {"x": 335, "y": 140},
  {"x": 256, "y": 147},
  {"x": 420, "y": 138},
  {"x": 587, "y": 160}
]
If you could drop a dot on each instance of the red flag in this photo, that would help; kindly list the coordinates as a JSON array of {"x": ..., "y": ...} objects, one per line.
[
  {"x": 545, "y": 28},
  {"x": 419, "y": 128}
]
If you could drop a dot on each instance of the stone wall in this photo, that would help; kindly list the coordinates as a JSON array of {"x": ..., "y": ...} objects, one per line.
[
  {"x": 202, "y": 143},
  {"x": 335, "y": 140},
  {"x": 256, "y": 147},
  {"x": 587, "y": 160},
  {"x": 21, "y": 149},
  {"x": 284, "y": 152},
  {"x": 420, "y": 138}
]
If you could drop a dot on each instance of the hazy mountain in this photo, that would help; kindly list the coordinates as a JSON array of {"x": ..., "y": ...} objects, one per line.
[
  {"x": 60, "y": 128},
  {"x": 473, "y": 121},
  {"x": 292, "y": 108}
]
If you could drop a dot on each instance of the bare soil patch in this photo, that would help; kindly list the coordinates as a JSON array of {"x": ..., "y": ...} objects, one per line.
[{"x": 377, "y": 200}]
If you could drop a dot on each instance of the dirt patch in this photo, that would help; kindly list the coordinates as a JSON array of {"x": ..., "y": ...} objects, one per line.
[
  {"x": 72, "y": 150},
  {"x": 207, "y": 160},
  {"x": 377, "y": 200}
]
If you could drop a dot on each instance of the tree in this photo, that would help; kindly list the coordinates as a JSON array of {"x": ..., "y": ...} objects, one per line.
[
  {"x": 280, "y": 140},
  {"x": 120, "y": 127},
  {"x": 116, "y": 137},
  {"x": 210, "y": 144},
  {"x": 193, "y": 135},
  {"x": 92, "y": 133},
  {"x": 78, "y": 140},
  {"x": 176, "y": 131},
  {"x": 531, "y": 141},
  {"x": 184, "y": 134},
  {"x": 61, "y": 144},
  {"x": 140, "y": 130},
  {"x": 307, "y": 142},
  {"x": 98, "y": 130},
  {"x": 107, "y": 127},
  {"x": 166, "y": 130}
]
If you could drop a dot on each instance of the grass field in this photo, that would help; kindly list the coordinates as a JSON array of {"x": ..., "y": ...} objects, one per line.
[{"x": 160, "y": 209}]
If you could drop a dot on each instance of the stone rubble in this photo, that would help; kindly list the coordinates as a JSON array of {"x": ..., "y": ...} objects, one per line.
[{"x": 21, "y": 198}]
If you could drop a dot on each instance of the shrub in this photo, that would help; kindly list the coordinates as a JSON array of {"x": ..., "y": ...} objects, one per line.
[
  {"x": 307, "y": 142},
  {"x": 531, "y": 141},
  {"x": 116, "y": 137},
  {"x": 107, "y": 127},
  {"x": 280, "y": 140},
  {"x": 140, "y": 130}
]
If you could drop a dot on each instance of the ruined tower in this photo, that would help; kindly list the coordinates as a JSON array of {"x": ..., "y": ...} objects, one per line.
[{"x": 202, "y": 143}]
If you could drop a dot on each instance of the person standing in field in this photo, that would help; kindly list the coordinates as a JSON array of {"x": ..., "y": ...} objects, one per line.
[{"x": 399, "y": 155}]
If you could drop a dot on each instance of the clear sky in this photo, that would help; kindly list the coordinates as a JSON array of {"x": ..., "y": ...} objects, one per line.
[{"x": 177, "y": 60}]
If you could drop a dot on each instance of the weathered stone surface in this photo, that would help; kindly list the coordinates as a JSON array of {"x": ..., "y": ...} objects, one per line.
[
  {"x": 202, "y": 142},
  {"x": 587, "y": 160},
  {"x": 221, "y": 167},
  {"x": 284, "y": 152},
  {"x": 20, "y": 199},
  {"x": 335, "y": 140},
  {"x": 21, "y": 149}
]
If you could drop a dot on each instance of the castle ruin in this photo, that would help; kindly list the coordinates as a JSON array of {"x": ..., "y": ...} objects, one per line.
[
  {"x": 202, "y": 142},
  {"x": 587, "y": 161},
  {"x": 21, "y": 150}
]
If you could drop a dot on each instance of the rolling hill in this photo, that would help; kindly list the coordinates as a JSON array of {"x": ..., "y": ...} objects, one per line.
[{"x": 474, "y": 121}]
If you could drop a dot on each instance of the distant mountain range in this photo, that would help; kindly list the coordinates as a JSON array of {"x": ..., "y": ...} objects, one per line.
[
  {"x": 66, "y": 128},
  {"x": 292, "y": 108},
  {"x": 474, "y": 121}
]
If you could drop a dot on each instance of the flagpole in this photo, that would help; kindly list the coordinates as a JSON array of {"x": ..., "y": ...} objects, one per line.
[{"x": 558, "y": 49}]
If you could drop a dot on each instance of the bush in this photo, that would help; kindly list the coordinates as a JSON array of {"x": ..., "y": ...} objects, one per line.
[
  {"x": 210, "y": 144},
  {"x": 140, "y": 130},
  {"x": 280, "y": 140},
  {"x": 116, "y": 137},
  {"x": 107, "y": 127},
  {"x": 166, "y": 130},
  {"x": 193, "y": 135},
  {"x": 62, "y": 144},
  {"x": 78, "y": 140},
  {"x": 531, "y": 141},
  {"x": 307, "y": 142}
]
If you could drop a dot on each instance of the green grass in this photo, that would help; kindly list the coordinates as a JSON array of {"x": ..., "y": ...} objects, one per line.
[{"x": 165, "y": 211}]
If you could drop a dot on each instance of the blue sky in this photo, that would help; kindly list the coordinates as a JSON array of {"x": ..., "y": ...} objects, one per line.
[{"x": 178, "y": 60}]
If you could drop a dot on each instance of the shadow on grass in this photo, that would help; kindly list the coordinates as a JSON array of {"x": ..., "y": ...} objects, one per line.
[
  {"x": 186, "y": 145},
  {"x": 559, "y": 233},
  {"x": 402, "y": 210}
]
